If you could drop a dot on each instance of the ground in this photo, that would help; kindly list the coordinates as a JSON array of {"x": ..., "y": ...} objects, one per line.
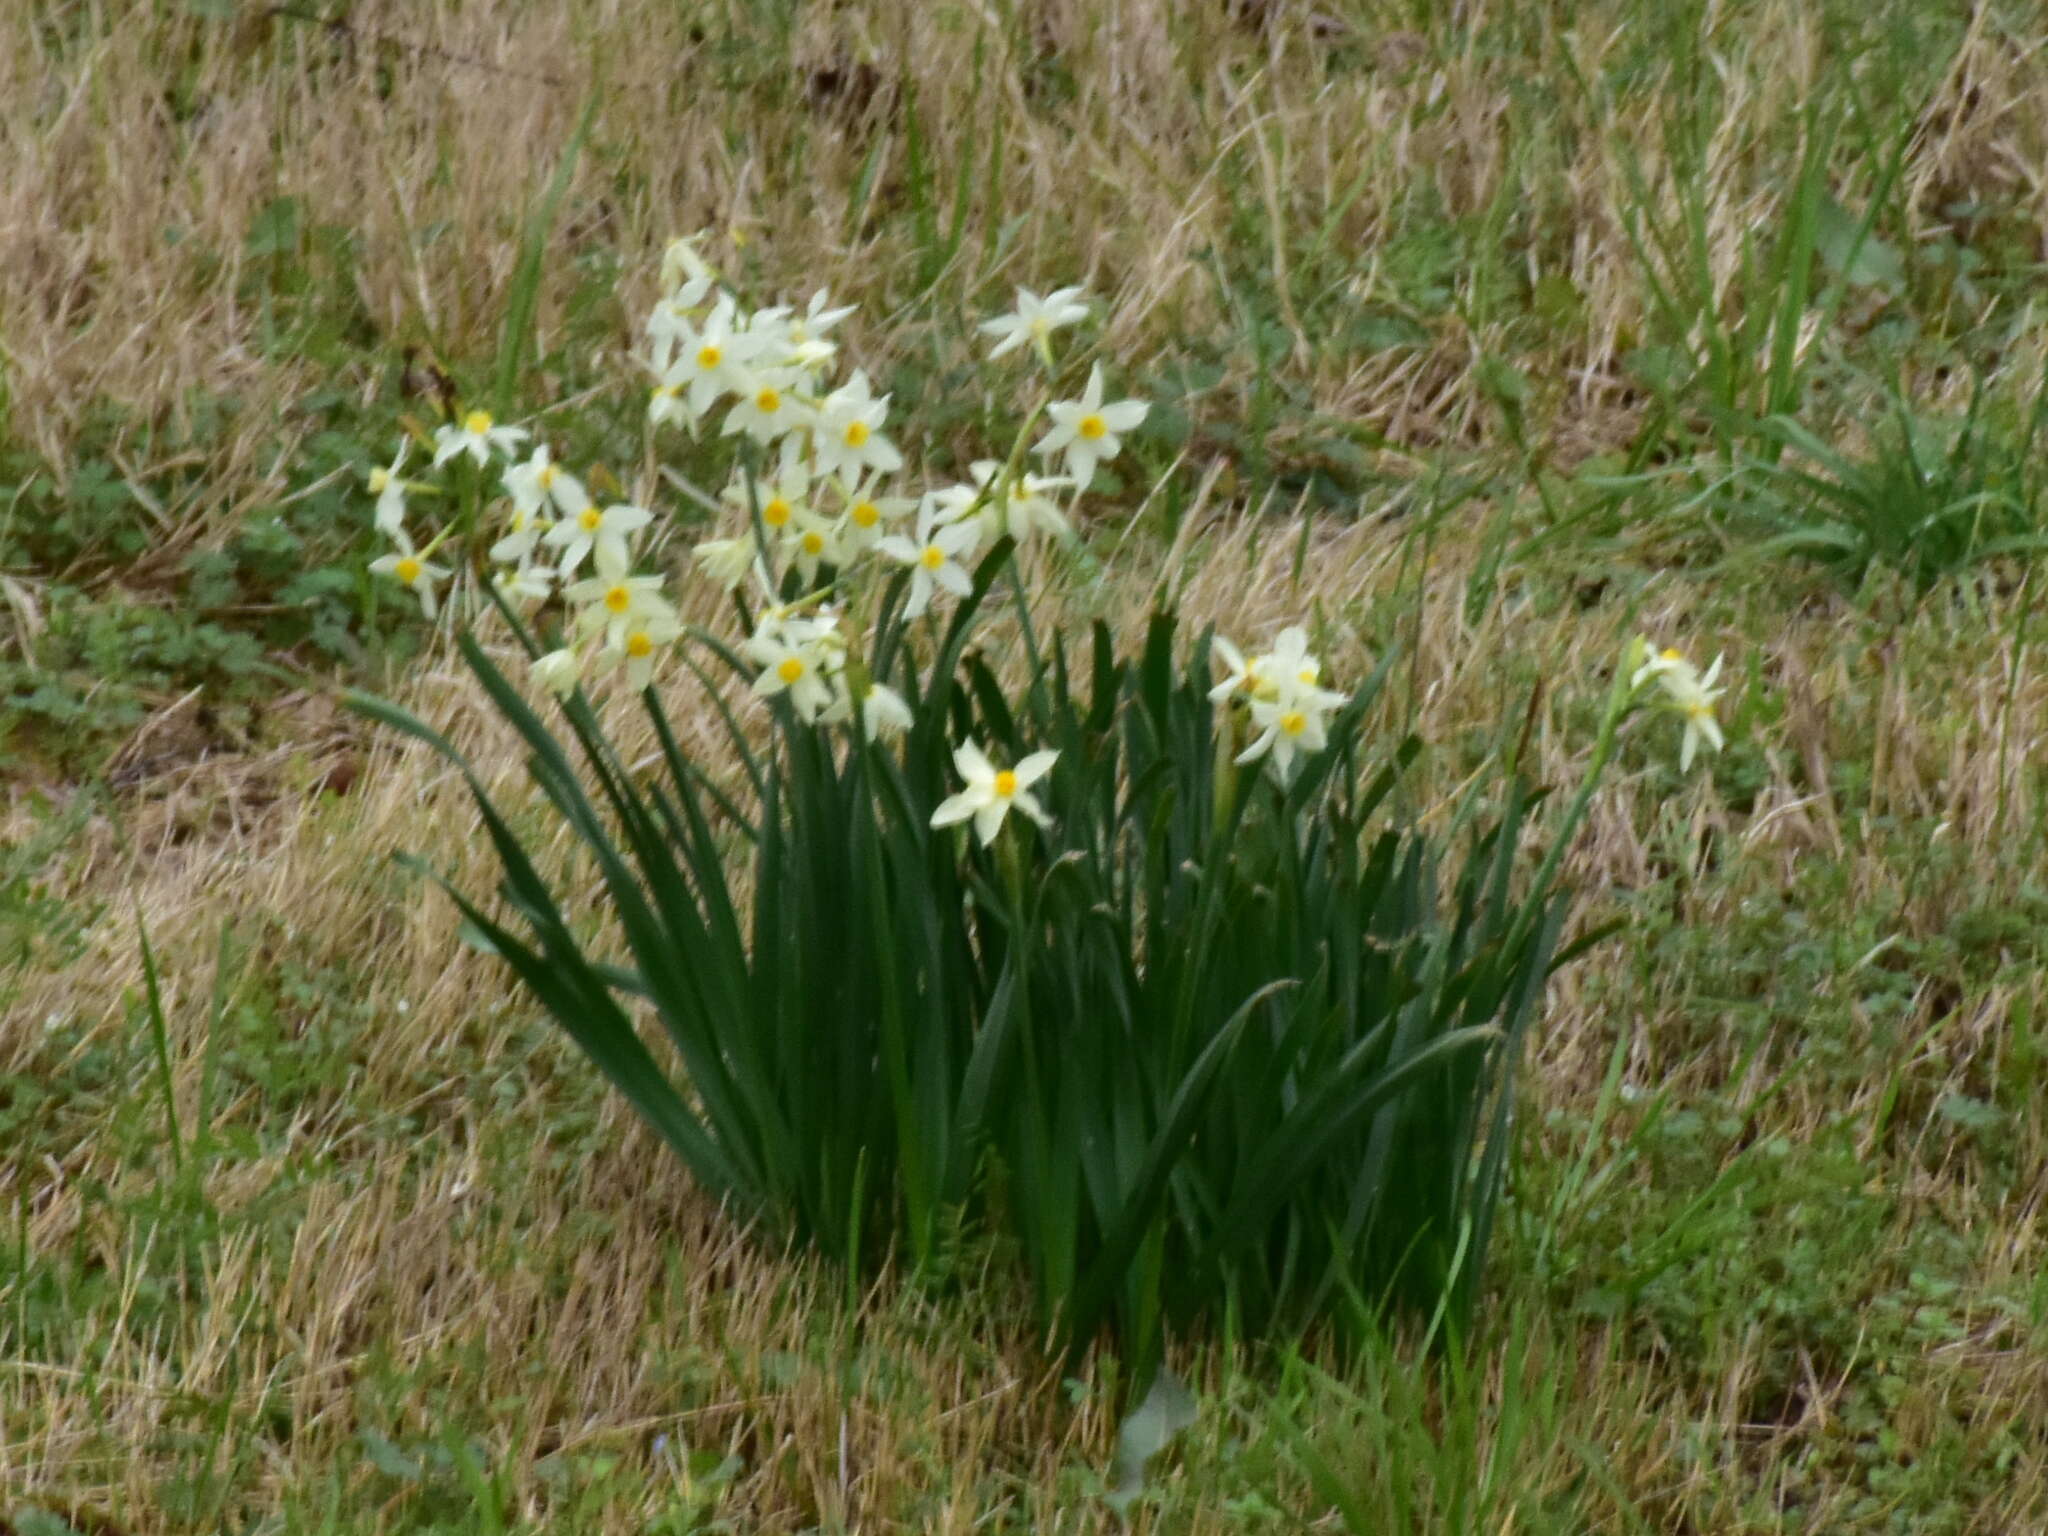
[{"x": 1494, "y": 334}]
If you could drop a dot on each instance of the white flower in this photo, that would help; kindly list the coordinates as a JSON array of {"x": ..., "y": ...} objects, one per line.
[
  {"x": 1690, "y": 695},
  {"x": 847, "y": 436},
  {"x": 478, "y": 437},
  {"x": 523, "y": 531},
  {"x": 1286, "y": 671},
  {"x": 725, "y": 561},
  {"x": 708, "y": 363},
  {"x": 1288, "y": 727},
  {"x": 634, "y": 643},
  {"x": 990, "y": 792},
  {"x": 602, "y": 532},
  {"x": 867, "y": 517},
  {"x": 683, "y": 264},
  {"x": 1289, "y": 665},
  {"x": 525, "y": 582},
  {"x": 412, "y": 571},
  {"x": 670, "y": 320},
  {"x": 1022, "y": 506},
  {"x": 808, "y": 331},
  {"x": 615, "y": 601},
  {"x": 390, "y": 493},
  {"x": 795, "y": 663},
  {"x": 811, "y": 541},
  {"x": 1034, "y": 320},
  {"x": 1088, "y": 431},
  {"x": 558, "y": 671},
  {"x": 1289, "y": 705},
  {"x": 780, "y": 498},
  {"x": 768, "y": 407},
  {"x": 934, "y": 557},
  {"x": 1243, "y": 675},
  {"x": 540, "y": 483},
  {"x": 883, "y": 712}
]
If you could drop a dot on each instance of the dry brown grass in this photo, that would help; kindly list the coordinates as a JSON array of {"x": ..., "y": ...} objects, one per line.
[{"x": 594, "y": 1299}]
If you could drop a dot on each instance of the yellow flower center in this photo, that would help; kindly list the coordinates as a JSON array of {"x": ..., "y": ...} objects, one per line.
[
  {"x": 477, "y": 423},
  {"x": 1006, "y": 784},
  {"x": 775, "y": 513},
  {"x": 866, "y": 514},
  {"x": 856, "y": 433},
  {"x": 638, "y": 646},
  {"x": 710, "y": 355},
  {"x": 590, "y": 519},
  {"x": 790, "y": 670},
  {"x": 547, "y": 476},
  {"x": 1306, "y": 674},
  {"x": 933, "y": 557},
  {"x": 1092, "y": 427},
  {"x": 407, "y": 570},
  {"x": 1294, "y": 722},
  {"x": 768, "y": 402},
  {"x": 1671, "y": 653},
  {"x": 618, "y": 599},
  {"x": 813, "y": 543},
  {"x": 379, "y": 479}
]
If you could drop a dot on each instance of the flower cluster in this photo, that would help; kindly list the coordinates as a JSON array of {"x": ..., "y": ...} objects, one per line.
[
  {"x": 816, "y": 500},
  {"x": 1688, "y": 693},
  {"x": 546, "y": 528},
  {"x": 1282, "y": 694},
  {"x": 824, "y": 502}
]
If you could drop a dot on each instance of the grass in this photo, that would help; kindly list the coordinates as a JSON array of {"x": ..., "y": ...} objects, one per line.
[{"x": 1500, "y": 332}]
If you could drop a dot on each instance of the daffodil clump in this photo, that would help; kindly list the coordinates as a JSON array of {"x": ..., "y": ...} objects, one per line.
[
  {"x": 1101, "y": 941},
  {"x": 820, "y": 510}
]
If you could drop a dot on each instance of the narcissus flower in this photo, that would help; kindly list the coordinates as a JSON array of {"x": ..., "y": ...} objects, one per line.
[
  {"x": 558, "y": 671},
  {"x": 1288, "y": 704},
  {"x": 1021, "y": 506},
  {"x": 807, "y": 331},
  {"x": 541, "y": 485},
  {"x": 1034, "y": 320},
  {"x": 867, "y": 515},
  {"x": 390, "y": 493},
  {"x": 479, "y": 437},
  {"x": 798, "y": 665},
  {"x": 1288, "y": 728},
  {"x": 846, "y": 436},
  {"x": 1242, "y": 675},
  {"x": 602, "y": 533},
  {"x": 635, "y": 645},
  {"x": 615, "y": 602},
  {"x": 683, "y": 264},
  {"x": 991, "y": 792},
  {"x": 525, "y": 582},
  {"x": 768, "y": 406},
  {"x": 1088, "y": 431},
  {"x": 523, "y": 530},
  {"x": 811, "y": 541},
  {"x": 934, "y": 557},
  {"x": 781, "y": 498},
  {"x": 411, "y": 570},
  {"x": 725, "y": 561},
  {"x": 708, "y": 363},
  {"x": 883, "y": 712}
]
